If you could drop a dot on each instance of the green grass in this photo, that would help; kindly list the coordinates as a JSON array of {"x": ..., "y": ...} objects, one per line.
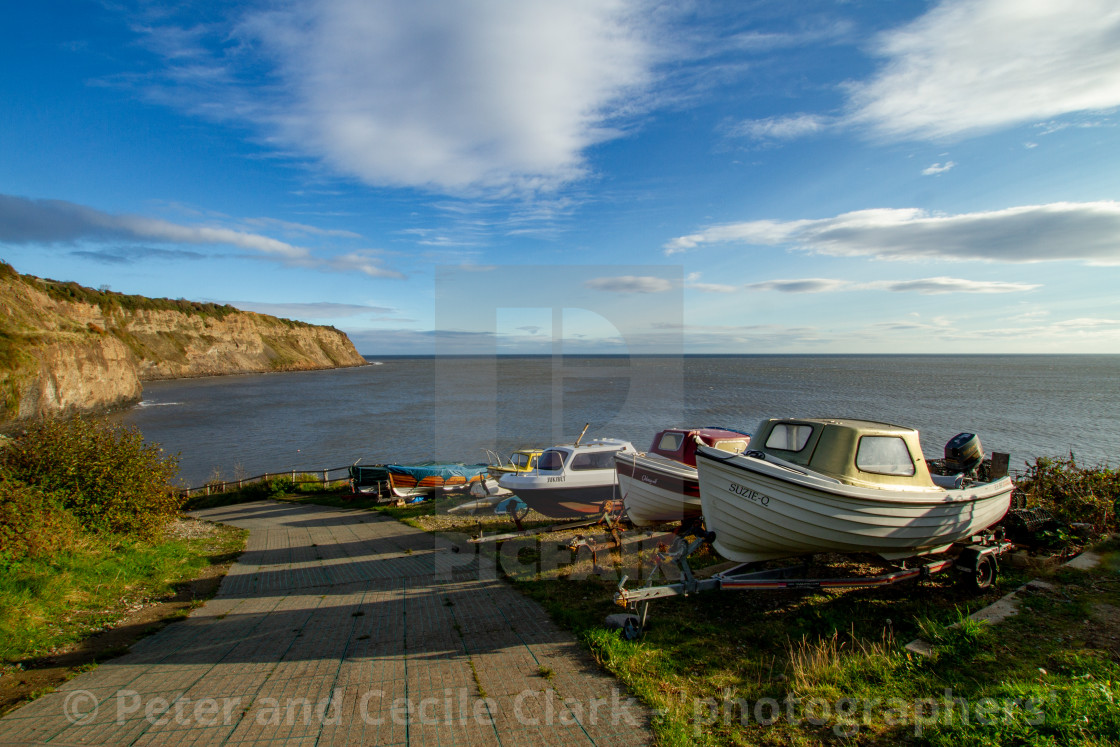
[
  {"x": 716, "y": 666},
  {"x": 47, "y": 603}
]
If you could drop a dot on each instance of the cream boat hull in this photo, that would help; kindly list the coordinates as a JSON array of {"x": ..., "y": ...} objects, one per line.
[
  {"x": 657, "y": 490},
  {"x": 760, "y": 509}
]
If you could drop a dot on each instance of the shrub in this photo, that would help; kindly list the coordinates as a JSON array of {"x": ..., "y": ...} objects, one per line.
[
  {"x": 1072, "y": 494},
  {"x": 104, "y": 474},
  {"x": 32, "y": 523}
]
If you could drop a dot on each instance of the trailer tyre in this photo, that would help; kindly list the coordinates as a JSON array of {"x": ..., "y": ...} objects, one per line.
[
  {"x": 629, "y": 626},
  {"x": 985, "y": 574}
]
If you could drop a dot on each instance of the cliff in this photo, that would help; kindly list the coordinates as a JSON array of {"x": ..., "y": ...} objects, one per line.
[{"x": 65, "y": 348}]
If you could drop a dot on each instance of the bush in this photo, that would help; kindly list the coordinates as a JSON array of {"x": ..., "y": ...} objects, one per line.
[
  {"x": 1072, "y": 494},
  {"x": 102, "y": 473},
  {"x": 32, "y": 523}
]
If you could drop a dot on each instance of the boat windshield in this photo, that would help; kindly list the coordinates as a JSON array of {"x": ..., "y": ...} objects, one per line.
[
  {"x": 521, "y": 460},
  {"x": 593, "y": 460},
  {"x": 551, "y": 460},
  {"x": 671, "y": 441},
  {"x": 789, "y": 436},
  {"x": 884, "y": 455}
]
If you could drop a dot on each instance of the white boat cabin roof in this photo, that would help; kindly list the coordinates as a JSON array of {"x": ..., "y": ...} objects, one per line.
[
  {"x": 594, "y": 454},
  {"x": 857, "y": 452}
]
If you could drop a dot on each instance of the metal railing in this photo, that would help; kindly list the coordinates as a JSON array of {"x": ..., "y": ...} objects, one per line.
[{"x": 321, "y": 477}]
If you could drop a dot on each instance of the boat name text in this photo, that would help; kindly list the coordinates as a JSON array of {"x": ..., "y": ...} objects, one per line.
[
  {"x": 749, "y": 494},
  {"x": 556, "y": 479}
]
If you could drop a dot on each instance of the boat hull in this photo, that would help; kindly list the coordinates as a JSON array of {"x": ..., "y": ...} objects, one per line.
[
  {"x": 759, "y": 510},
  {"x": 657, "y": 490},
  {"x": 568, "y": 502},
  {"x": 409, "y": 481}
]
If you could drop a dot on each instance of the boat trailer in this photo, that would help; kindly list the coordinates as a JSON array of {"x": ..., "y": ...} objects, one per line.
[
  {"x": 612, "y": 517},
  {"x": 977, "y": 562}
]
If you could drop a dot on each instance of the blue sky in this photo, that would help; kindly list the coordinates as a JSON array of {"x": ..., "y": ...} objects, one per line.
[{"x": 870, "y": 176}]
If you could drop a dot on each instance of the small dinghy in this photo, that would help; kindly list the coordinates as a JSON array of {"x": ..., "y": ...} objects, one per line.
[
  {"x": 411, "y": 481},
  {"x": 847, "y": 486}
]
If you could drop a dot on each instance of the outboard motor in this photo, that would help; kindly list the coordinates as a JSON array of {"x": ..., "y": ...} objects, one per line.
[{"x": 963, "y": 453}]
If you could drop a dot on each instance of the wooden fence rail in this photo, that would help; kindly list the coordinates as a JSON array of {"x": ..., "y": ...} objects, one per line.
[{"x": 297, "y": 476}]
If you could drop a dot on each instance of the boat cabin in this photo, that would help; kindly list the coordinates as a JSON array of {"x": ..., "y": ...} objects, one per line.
[
  {"x": 679, "y": 444},
  {"x": 594, "y": 455},
  {"x": 522, "y": 460},
  {"x": 856, "y": 452}
]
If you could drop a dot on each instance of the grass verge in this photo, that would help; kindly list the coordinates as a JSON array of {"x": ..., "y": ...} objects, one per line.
[
  {"x": 769, "y": 668},
  {"x": 62, "y": 614}
]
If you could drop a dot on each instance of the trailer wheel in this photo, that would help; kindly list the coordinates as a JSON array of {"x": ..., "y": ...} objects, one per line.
[
  {"x": 985, "y": 573},
  {"x": 628, "y": 625}
]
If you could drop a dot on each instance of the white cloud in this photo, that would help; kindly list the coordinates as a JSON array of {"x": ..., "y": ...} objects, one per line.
[
  {"x": 365, "y": 262},
  {"x": 805, "y": 285},
  {"x": 630, "y": 284},
  {"x": 937, "y": 285},
  {"x": 938, "y": 168},
  {"x": 919, "y": 285},
  {"x": 782, "y": 128},
  {"x": 320, "y": 310},
  {"x": 26, "y": 221},
  {"x": 500, "y": 96},
  {"x": 693, "y": 282},
  {"x": 1087, "y": 232},
  {"x": 970, "y": 66}
]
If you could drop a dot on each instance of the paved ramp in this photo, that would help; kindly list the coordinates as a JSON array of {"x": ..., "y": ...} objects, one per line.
[{"x": 343, "y": 627}]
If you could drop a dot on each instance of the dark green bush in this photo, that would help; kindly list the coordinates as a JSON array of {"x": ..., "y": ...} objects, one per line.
[
  {"x": 102, "y": 473},
  {"x": 1071, "y": 493}
]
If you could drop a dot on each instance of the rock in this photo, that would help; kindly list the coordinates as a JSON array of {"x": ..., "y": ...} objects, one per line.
[{"x": 69, "y": 349}]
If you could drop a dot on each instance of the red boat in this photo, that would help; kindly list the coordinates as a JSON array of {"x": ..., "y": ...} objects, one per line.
[{"x": 660, "y": 486}]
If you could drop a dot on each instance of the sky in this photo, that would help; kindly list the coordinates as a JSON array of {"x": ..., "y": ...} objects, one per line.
[{"x": 586, "y": 176}]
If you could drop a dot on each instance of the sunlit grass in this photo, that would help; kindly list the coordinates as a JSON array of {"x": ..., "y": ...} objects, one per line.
[{"x": 51, "y": 602}]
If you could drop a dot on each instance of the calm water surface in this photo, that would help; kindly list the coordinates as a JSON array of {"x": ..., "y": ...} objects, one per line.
[{"x": 452, "y": 409}]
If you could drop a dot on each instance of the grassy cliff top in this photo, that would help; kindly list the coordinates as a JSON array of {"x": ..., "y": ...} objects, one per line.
[{"x": 109, "y": 301}]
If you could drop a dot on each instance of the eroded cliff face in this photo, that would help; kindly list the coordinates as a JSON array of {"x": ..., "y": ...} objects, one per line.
[
  {"x": 80, "y": 374},
  {"x": 67, "y": 349}
]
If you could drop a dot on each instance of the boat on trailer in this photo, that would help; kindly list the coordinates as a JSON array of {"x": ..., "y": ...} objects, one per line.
[
  {"x": 521, "y": 460},
  {"x": 818, "y": 485},
  {"x": 660, "y": 486},
  {"x": 570, "y": 480},
  {"x": 412, "y": 481}
]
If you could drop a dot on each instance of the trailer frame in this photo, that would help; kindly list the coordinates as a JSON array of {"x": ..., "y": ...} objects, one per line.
[{"x": 977, "y": 561}]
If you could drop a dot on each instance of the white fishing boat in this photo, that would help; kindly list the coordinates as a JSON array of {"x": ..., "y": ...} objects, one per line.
[
  {"x": 847, "y": 486},
  {"x": 660, "y": 486},
  {"x": 570, "y": 480}
]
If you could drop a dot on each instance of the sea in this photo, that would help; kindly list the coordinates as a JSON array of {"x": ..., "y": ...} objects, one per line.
[{"x": 465, "y": 409}]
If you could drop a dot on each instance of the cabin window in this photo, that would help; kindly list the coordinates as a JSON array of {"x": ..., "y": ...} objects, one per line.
[
  {"x": 593, "y": 460},
  {"x": 671, "y": 442},
  {"x": 789, "y": 437},
  {"x": 884, "y": 455},
  {"x": 521, "y": 461},
  {"x": 735, "y": 447},
  {"x": 551, "y": 460}
]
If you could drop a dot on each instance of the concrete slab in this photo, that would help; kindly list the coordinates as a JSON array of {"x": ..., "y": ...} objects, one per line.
[{"x": 1008, "y": 605}]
